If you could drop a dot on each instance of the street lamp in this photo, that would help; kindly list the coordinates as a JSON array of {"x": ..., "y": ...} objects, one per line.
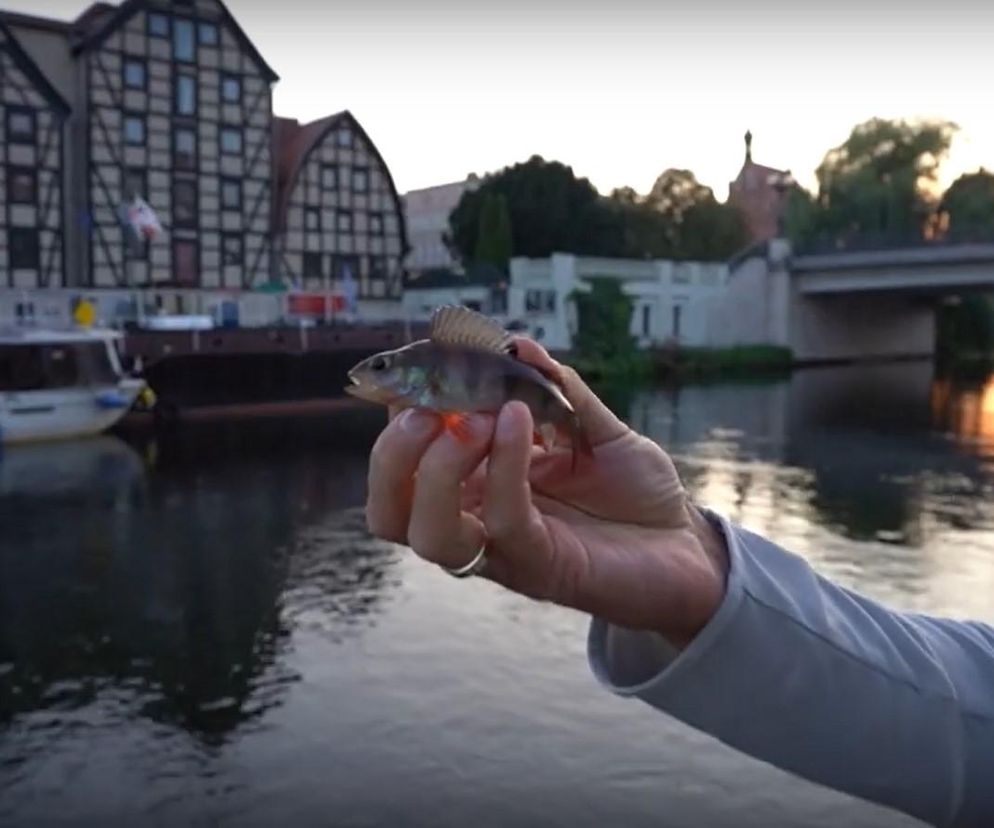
[{"x": 781, "y": 182}]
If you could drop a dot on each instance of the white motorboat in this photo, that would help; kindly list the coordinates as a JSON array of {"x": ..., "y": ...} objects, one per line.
[{"x": 56, "y": 384}]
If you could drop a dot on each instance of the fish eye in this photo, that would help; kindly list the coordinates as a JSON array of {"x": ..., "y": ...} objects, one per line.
[{"x": 379, "y": 363}]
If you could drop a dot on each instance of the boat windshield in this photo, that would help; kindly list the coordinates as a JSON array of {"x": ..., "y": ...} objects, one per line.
[{"x": 36, "y": 366}]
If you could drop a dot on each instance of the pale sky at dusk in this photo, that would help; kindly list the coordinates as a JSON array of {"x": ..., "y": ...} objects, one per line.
[{"x": 624, "y": 89}]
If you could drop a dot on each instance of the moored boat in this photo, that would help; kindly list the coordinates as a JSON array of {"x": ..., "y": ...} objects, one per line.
[{"x": 56, "y": 384}]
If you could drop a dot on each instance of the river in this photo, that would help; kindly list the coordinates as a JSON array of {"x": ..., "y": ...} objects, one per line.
[{"x": 197, "y": 630}]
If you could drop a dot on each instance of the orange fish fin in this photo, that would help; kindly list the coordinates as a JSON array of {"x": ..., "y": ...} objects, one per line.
[{"x": 455, "y": 423}]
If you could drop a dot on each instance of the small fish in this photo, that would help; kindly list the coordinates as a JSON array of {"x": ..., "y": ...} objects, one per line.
[{"x": 467, "y": 364}]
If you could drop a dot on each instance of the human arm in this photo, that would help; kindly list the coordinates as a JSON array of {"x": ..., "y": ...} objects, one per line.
[
  {"x": 792, "y": 669},
  {"x": 739, "y": 639}
]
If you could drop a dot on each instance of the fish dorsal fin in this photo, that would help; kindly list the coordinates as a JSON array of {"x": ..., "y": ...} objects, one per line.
[{"x": 457, "y": 325}]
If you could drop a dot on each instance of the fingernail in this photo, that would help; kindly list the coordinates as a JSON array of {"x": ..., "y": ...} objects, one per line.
[
  {"x": 505, "y": 421},
  {"x": 418, "y": 423}
]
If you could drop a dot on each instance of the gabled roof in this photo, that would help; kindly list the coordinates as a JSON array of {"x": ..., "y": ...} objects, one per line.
[
  {"x": 30, "y": 68},
  {"x": 32, "y": 21},
  {"x": 101, "y": 19},
  {"x": 293, "y": 143}
]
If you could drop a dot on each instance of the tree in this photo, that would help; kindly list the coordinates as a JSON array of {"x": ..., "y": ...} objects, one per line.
[
  {"x": 681, "y": 219},
  {"x": 494, "y": 238},
  {"x": 877, "y": 183},
  {"x": 550, "y": 210},
  {"x": 968, "y": 206}
]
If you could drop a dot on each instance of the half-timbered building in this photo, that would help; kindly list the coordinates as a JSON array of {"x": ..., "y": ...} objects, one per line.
[
  {"x": 32, "y": 117},
  {"x": 339, "y": 219},
  {"x": 178, "y": 111}
]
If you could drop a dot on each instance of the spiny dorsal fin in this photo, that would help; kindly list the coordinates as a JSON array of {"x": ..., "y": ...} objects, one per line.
[{"x": 457, "y": 325}]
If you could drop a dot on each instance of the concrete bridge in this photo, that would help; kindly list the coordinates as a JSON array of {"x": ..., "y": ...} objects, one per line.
[{"x": 848, "y": 305}]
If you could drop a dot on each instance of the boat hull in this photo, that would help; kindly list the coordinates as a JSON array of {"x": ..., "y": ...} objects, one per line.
[{"x": 63, "y": 413}]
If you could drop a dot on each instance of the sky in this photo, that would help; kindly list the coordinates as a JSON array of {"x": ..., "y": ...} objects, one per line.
[{"x": 622, "y": 89}]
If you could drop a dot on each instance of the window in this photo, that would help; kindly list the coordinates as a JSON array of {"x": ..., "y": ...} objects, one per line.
[
  {"x": 344, "y": 138},
  {"x": 183, "y": 48},
  {"x": 377, "y": 267},
  {"x": 312, "y": 266},
  {"x": 540, "y": 301},
  {"x": 312, "y": 218},
  {"x": 646, "y": 320},
  {"x": 232, "y": 249},
  {"x": 184, "y": 203},
  {"x": 20, "y": 125},
  {"x": 22, "y": 248},
  {"x": 134, "y": 183},
  {"x": 360, "y": 179},
  {"x": 134, "y": 73},
  {"x": 329, "y": 176},
  {"x": 208, "y": 34},
  {"x": 376, "y": 224},
  {"x": 158, "y": 25},
  {"x": 677, "y": 313},
  {"x": 231, "y": 141},
  {"x": 22, "y": 185},
  {"x": 185, "y": 149},
  {"x": 344, "y": 221},
  {"x": 231, "y": 194},
  {"x": 134, "y": 130},
  {"x": 185, "y": 262},
  {"x": 231, "y": 89},
  {"x": 186, "y": 95}
]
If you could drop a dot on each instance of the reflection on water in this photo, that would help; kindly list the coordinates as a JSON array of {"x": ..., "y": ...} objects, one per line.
[{"x": 198, "y": 629}]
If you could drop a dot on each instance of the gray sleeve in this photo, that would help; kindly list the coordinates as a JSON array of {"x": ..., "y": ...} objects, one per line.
[{"x": 895, "y": 708}]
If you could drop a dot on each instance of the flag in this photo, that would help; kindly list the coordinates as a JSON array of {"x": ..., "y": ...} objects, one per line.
[{"x": 141, "y": 219}]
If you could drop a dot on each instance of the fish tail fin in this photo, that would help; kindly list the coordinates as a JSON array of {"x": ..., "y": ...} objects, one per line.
[{"x": 456, "y": 424}]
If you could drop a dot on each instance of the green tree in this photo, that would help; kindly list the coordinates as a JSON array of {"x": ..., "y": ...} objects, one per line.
[
  {"x": 550, "y": 210},
  {"x": 604, "y": 344},
  {"x": 878, "y": 182},
  {"x": 967, "y": 207},
  {"x": 494, "y": 239},
  {"x": 690, "y": 223}
]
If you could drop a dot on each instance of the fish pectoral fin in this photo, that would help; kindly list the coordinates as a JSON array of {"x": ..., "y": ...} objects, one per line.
[{"x": 457, "y": 424}]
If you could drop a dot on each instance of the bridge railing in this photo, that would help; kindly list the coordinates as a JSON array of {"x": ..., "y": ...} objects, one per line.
[{"x": 865, "y": 242}]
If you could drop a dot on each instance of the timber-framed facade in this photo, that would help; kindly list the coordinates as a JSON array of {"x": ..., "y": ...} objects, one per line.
[
  {"x": 178, "y": 109},
  {"x": 339, "y": 217},
  {"x": 32, "y": 160}
]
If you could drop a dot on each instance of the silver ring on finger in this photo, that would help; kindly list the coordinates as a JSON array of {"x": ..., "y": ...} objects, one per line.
[{"x": 474, "y": 567}]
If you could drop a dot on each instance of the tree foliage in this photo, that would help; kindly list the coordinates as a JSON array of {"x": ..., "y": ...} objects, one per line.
[
  {"x": 878, "y": 182},
  {"x": 550, "y": 210},
  {"x": 967, "y": 207},
  {"x": 494, "y": 238}
]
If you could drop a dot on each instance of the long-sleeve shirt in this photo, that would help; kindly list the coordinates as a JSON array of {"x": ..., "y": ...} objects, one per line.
[{"x": 893, "y": 707}]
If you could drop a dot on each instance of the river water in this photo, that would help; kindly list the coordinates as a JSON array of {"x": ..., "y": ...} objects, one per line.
[{"x": 196, "y": 629}]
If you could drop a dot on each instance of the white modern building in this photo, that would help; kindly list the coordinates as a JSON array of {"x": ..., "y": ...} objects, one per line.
[{"x": 672, "y": 300}]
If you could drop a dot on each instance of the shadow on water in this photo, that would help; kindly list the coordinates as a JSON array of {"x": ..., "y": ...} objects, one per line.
[{"x": 169, "y": 575}]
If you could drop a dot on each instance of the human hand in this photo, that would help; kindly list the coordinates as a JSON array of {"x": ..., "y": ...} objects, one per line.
[{"x": 616, "y": 538}]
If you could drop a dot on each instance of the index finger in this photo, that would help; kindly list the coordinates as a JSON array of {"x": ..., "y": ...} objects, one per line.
[{"x": 597, "y": 419}]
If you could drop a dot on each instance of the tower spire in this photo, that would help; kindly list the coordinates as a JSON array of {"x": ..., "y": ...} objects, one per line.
[{"x": 748, "y": 140}]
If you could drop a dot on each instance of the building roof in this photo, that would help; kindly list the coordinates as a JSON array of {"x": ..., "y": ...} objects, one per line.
[
  {"x": 478, "y": 274},
  {"x": 30, "y": 68},
  {"x": 101, "y": 19},
  {"x": 32, "y": 21},
  {"x": 293, "y": 143}
]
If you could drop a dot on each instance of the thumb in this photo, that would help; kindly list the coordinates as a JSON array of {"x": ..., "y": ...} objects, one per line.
[{"x": 598, "y": 421}]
